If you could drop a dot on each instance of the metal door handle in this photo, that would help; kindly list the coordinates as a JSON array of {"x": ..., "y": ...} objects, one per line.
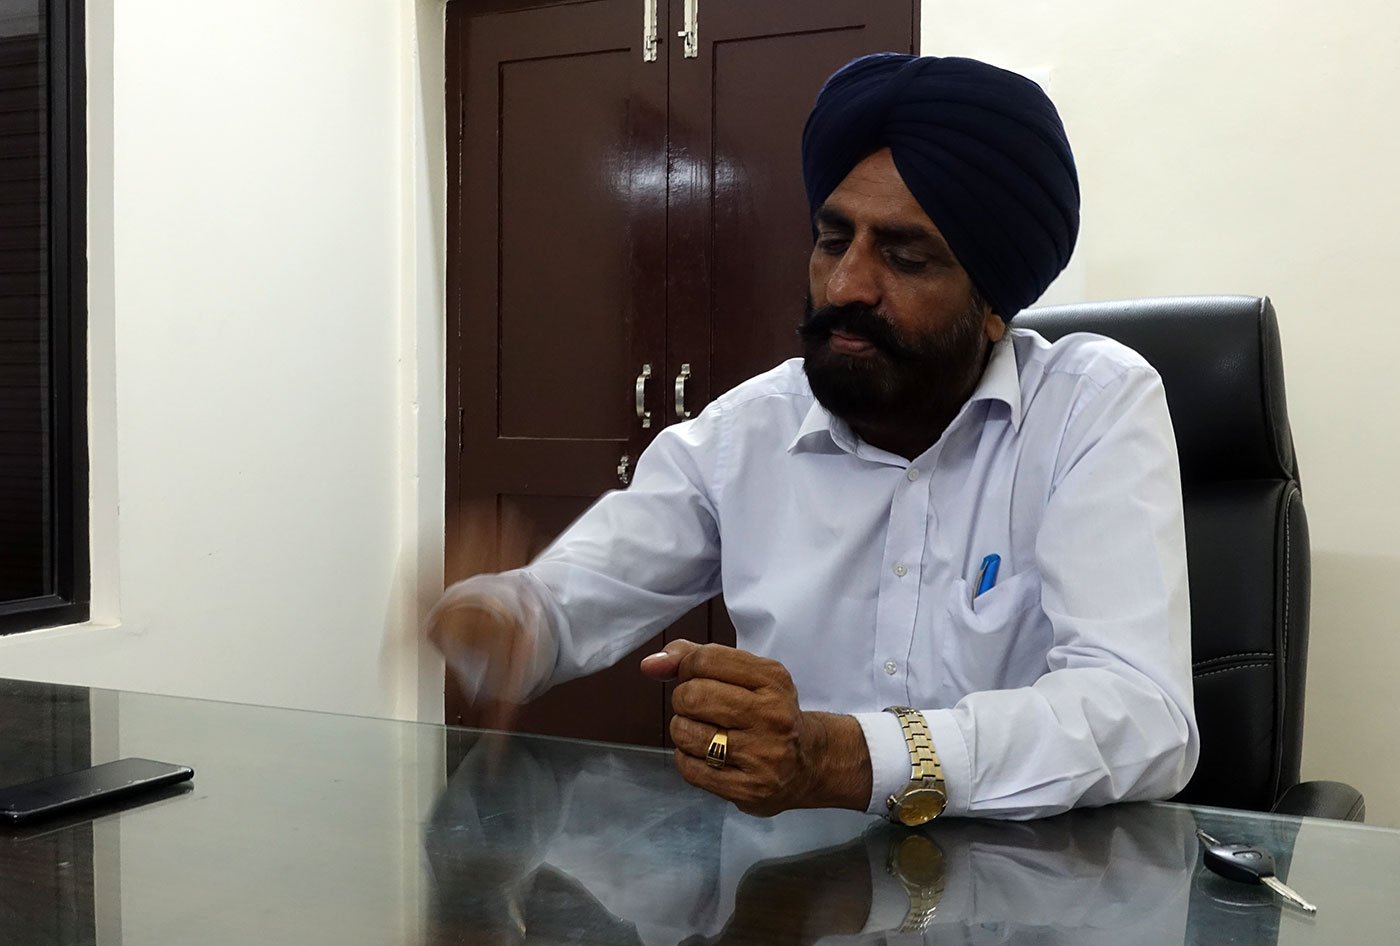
[
  {"x": 691, "y": 33},
  {"x": 643, "y": 414},
  {"x": 680, "y": 391},
  {"x": 651, "y": 34}
]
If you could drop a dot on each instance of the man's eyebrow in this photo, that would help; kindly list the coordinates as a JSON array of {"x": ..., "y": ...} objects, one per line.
[
  {"x": 832, "y": 217},
  {"x": 911, "y": 233}
]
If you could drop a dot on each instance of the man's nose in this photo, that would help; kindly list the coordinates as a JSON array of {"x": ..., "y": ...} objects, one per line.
[{"x": 855, "y": 280}]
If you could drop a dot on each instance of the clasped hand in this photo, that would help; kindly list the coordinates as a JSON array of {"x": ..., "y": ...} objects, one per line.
[{"x": 779, "y": 756}]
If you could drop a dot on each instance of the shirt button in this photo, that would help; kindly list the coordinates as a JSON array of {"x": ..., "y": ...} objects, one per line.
[
  {"x": 901, "y": 569},
  {"x": 891, "y": 667},
  {"x": 913, "y": 473}
]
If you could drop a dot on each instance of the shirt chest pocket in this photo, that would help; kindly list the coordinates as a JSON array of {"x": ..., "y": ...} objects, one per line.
[{"x": 997, "y": 640}]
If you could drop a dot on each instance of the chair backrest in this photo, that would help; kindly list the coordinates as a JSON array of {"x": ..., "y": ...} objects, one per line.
[{"x": 1246, "y": 534}]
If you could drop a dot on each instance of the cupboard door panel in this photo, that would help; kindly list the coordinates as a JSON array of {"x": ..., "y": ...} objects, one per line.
[{"x": 562, "y": 229}]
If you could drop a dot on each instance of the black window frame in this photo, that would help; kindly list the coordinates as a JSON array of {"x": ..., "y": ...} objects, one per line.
[{"x": 67, "y": 250}]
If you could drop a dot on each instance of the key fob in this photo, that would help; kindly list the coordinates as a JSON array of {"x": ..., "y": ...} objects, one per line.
[{"x": 1239, "y": 862}]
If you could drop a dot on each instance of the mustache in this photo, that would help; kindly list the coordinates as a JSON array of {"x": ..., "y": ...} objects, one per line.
[{"x": 853, "y": 319}]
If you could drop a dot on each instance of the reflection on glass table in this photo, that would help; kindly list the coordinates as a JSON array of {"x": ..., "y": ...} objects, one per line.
[
  {"x": 312, "y": 828},
  {"x": 584, "y": 843}
]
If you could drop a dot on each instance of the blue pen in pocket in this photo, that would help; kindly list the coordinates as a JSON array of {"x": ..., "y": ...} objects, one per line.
[{"x": 987, "y": 574}]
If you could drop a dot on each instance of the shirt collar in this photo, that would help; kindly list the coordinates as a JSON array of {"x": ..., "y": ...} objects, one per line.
[
  {"x": 1002, "y": 379},
  {"x": 1000, "y": 382},
  {"x": 821, "y": 428}
]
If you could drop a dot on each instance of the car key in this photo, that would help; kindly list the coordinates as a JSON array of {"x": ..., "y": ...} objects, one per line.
[{"x": 1248, "y": 865}]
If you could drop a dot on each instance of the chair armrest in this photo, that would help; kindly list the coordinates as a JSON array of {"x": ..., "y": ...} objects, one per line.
[{"x": 1322, "y": 800}]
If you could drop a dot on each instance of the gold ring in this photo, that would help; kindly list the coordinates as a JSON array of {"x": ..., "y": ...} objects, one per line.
[{"x": 718, "y": 751}]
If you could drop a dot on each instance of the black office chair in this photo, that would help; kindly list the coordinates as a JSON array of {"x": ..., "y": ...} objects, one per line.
[{"x": 1246, "y": 539}]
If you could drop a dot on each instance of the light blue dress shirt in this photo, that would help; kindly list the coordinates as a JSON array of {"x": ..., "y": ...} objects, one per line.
[{"x": 1068, "y": 683}]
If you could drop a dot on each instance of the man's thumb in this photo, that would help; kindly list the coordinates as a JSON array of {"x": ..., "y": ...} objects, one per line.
[{"x": 665, "y": 664}]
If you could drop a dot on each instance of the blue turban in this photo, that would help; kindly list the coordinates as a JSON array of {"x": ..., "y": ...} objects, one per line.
[{"x": 981, "y": 149}]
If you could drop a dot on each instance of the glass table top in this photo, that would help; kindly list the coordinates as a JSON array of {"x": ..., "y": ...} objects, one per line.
[{"x": 313, "y": 828}]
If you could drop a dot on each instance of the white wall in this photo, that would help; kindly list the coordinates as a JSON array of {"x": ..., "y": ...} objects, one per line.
[
  {"x": 267, "y": 410},
  {"x": 1247, "y": 146}
]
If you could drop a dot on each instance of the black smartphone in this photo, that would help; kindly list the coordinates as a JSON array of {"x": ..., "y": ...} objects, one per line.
[{"x": 20, "y": 804}]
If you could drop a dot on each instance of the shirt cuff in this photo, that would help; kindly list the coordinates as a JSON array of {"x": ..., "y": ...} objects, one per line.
[
  {"x": 889, "y": 758},
  {"x": 890, "y": 765}
]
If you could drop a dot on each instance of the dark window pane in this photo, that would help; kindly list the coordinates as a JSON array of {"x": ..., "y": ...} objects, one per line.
[{"x": 26, "y": 384}]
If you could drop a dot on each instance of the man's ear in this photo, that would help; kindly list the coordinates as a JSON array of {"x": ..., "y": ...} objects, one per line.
[{"x": 993, "y": 327}]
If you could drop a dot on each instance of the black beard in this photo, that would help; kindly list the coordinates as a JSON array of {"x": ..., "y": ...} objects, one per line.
[{"x": 910, "y": 385}]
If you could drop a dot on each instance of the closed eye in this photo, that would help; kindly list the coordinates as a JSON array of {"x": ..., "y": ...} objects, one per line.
[{"x": 907, "y": 262}]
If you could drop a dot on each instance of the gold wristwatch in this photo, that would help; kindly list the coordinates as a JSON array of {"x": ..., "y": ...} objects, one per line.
[{"x": 925, "y": 797}]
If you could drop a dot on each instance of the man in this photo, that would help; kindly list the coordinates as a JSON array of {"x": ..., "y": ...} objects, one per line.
[{"x": 929, "y": 513}]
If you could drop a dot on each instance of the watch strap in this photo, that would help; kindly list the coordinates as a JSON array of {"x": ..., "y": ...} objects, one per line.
[{"x": 925, "y": 766}]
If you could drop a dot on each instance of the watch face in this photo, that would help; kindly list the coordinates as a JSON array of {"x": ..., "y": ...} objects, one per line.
[{"x": 921, "y": 805}]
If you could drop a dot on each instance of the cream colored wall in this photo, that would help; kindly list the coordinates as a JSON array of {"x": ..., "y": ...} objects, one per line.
[
  {"x": 1249, "y": 146},
  {"x": 266, "y": 206}
]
